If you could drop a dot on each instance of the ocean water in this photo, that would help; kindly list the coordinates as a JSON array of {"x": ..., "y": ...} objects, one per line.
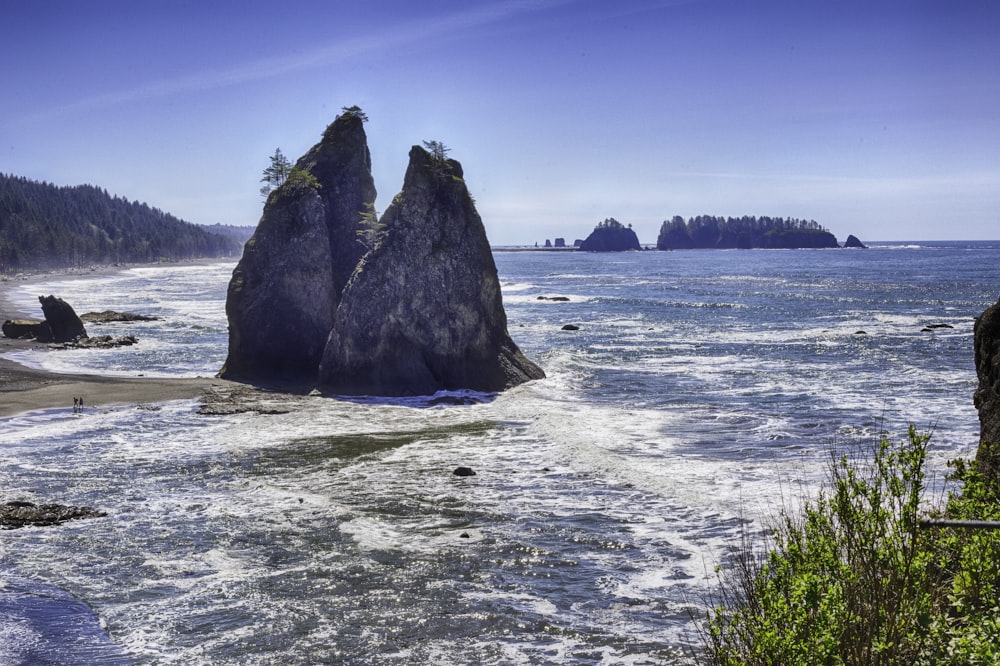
[{"x": 703, "y": 391}]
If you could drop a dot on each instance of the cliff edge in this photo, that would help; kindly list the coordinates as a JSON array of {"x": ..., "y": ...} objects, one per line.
[{"x": 987, "y": 396}]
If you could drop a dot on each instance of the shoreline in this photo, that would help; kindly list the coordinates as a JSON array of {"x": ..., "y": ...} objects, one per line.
[{"x": 24, "y": 389}]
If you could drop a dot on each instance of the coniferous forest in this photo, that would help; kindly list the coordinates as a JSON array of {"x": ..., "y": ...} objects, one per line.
[
  {"x": 45, "y": 226},
  {"x": 713, "y": 232}
]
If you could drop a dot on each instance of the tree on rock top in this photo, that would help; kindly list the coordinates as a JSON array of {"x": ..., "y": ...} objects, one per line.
[
  {"x": 287, "y": 286},
  {"x": 611, "y": 236}
]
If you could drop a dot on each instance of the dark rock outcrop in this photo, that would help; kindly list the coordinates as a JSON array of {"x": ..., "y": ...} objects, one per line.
[
  {"x": 110, "y": 316},
  {"x": 611, "y": 236},
  {"x": 61, "y": 322},
  {"x": 986, "y": 342},
  {"x": 853, "y": 241},
  {"x": 423, "y": 310},
  {"x": 23, "y": 514},
  {"x": 21, "y": 329},
  {"x": 287, "y": 286}
]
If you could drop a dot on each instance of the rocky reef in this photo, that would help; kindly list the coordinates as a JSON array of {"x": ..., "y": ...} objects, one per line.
[
  {"x": 287, "y": 286},
  {"x": 987, "y": 396},
  {"x": 611, "y": 236},
  {"x": 327, "y": 294}
]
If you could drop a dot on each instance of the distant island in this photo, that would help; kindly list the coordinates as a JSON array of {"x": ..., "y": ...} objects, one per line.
[
  {"x": 747, "y": 232},
  {"x": 45, "y": 226},
  {"x": 611, "y": 236}
]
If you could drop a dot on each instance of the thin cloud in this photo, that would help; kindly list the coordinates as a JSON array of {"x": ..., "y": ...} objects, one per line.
[{"x": 384, "y": 40}]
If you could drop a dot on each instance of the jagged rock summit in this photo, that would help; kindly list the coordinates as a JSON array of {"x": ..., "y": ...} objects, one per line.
[
  {"x": 423, "y": 310},
  {"x": 286, "y": 287},
  {"x": 326, "y": 294}
]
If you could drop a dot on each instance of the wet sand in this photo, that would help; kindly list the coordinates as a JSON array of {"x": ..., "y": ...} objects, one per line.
[{"x": 24, "y": 389}]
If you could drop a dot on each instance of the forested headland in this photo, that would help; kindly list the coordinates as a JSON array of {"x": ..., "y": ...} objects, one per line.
[
  {"x": 747, "y": 232},
  {"x": 44, "y": 226}
]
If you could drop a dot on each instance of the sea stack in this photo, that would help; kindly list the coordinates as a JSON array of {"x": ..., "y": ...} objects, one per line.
[
  {"x": 287, "y": 286},
  {"x": 61, "y": 324},
  {"x": 423, "y": 310},
  {"x": 987, "y": 396},
  {"x": 611, "y": 236},
  {"x": 854, "y": 242}
]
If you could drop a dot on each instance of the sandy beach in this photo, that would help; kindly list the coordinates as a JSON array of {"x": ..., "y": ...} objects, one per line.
[{"x": 24, "y": 389}]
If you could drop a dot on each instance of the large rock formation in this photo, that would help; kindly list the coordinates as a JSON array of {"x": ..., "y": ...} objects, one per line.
[
  {"x": 408, "y": 305},
  {"x": 987, "y": 396},
  {"x": 611, "y": 236},
  {"x": 61, "y": 322},
  {"x": 855, "y": 242},
  {"x": 423, "y": 311},
  {"x": 287, "y": 286}
]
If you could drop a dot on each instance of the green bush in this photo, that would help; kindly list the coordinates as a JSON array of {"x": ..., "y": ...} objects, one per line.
[{"x": 855, "y": 580}]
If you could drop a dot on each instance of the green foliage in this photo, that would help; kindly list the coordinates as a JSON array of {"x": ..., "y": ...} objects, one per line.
[
  {"x": 710, "y": 231},
  {"x": 439, "y": 152},
  {"x": 355, "y": 111},
  {"x": 611, "y": 223},
  {"x": 276, "y": 173},
  {"x": 300, "y": 179},
  {"x": 854, "y": 580},
  {"x": 370, "y": 228}
]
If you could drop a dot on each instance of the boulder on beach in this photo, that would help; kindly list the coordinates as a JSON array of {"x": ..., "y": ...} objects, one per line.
[
  {"x": 61, "y": 322},
  {"x": 21, "y": 329}
]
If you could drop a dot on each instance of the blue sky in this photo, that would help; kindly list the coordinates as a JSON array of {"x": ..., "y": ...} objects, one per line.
[{"x": 877, "y": 118}]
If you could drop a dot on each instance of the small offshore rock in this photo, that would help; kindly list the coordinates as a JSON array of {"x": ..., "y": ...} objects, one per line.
[
  {"x": 464, "y": 535},
  {"x": 560, "y": 299},
  {"x": 853, "y": 241},
  {"x": 933, "y": 326},
  {"x": 571, "y": 327},
  {"x": 860, "y": 332},
  {"x": 464, "y": 471},
  {"x": 24, "y": 514}
]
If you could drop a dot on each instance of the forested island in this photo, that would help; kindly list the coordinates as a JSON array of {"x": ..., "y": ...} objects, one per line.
[
  {"x": 747, "y": 232},
  {"x": 45, "y": 226}
]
